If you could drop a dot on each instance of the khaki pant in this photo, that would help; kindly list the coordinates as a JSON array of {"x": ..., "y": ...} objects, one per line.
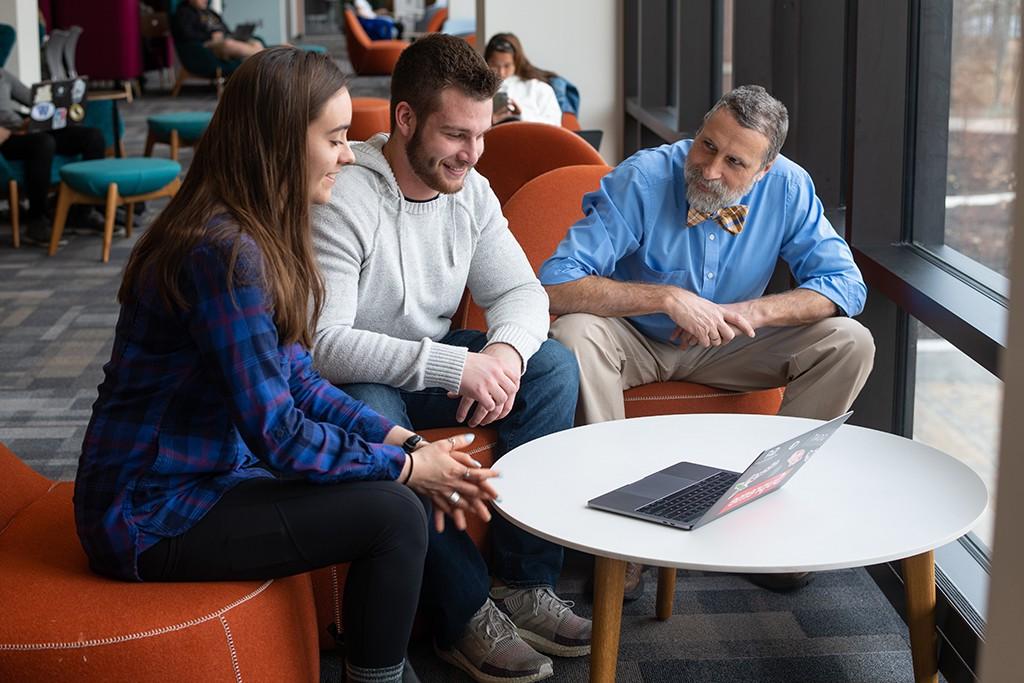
[{"x": 822, "y": 365}]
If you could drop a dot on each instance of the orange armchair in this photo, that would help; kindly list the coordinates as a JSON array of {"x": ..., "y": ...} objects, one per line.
[
  {"x": 539, "y": 215},
  {"x": 515, "y": 153},
  {"x": 370, "y": 115},
  {"x": 370, "y": 57}
]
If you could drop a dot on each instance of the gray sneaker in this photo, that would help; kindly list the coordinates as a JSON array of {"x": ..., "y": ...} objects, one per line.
[
  {"x": 544, "y": 620},
  {"x": 491, "y": 651}
]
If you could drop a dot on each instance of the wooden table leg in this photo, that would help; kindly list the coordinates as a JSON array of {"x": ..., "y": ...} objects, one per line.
[
  {"x": 919, "y": 583},
  {"x": 609, "y": 583},
  {"x": 666, "y": 591}
]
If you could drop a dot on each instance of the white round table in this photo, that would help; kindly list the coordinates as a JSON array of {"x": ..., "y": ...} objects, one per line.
[{"x": 867, "y": 497}]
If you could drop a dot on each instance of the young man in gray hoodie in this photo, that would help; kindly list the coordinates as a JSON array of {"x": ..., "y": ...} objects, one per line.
[{"x": 410, "y": 226}]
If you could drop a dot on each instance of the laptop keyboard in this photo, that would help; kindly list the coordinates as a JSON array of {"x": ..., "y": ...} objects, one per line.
[{"x": 693, "y": 501}]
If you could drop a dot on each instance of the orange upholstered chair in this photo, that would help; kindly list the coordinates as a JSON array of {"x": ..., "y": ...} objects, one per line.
[
  {"x": 61, "y": 622},
  {"x": 515, "y": 153},
  {"x": 370, "y": 57},
  {"x": 329, "y": 583},
  {"x": 370, "y": 115},
  {"x": 570, "y": 122},
  {"x": 539, "y": 215},
  {"x": 436, "y": 22}
]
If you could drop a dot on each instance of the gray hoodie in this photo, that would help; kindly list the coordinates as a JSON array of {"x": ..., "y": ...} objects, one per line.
[{"x": 395, "y": 272}]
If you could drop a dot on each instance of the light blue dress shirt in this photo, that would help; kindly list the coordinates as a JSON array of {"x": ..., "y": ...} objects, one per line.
[{"x": 634, "y": 230}]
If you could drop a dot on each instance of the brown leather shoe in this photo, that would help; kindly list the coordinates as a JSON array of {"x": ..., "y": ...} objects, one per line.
[{"x": 781, "y": 583}]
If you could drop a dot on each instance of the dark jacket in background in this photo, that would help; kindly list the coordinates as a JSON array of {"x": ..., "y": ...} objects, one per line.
[{"x": 191, "y": 25}]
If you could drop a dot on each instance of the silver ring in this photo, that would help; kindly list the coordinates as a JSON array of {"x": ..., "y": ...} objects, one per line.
[
  {"x": 454, "y": 498},
  {"x": 468, "y": 474}
]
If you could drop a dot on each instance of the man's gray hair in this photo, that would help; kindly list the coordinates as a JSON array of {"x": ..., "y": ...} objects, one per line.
[{"x": 754, "y": 108}]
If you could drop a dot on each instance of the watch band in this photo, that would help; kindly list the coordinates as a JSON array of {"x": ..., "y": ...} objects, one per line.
[{"x": 409, "y": 445}]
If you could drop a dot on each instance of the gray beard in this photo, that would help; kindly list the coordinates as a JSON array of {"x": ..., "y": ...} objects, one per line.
[{"x": 716, "y": 198}]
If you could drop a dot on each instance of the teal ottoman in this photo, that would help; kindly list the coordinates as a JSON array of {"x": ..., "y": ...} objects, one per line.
[
  {"x": 177, "y": 129},
  {"x": 112, "y": 182},
  {"x": 318, "y": 49}
]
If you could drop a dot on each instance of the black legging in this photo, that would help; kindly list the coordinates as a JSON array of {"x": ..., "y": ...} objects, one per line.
[
  {"x": 37, "y": 150},
  {"x": 266, "y": 528}
]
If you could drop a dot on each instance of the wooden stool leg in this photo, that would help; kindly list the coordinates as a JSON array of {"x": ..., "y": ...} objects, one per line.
[
  {"x": 150, "y": 141},
  {"x": 666, "y": 592},
  {"x": 182, "y": 75},
  {"x": 919, "y": 584},
  {"x": 128, "y": 218},
  {"x": 61, "y": 217},
  {"x": 609, "y": 585},
  {"x": 12, "y": 199},
  {"x": 174, "y": 144},
  {"x": 108, "y": 225}
]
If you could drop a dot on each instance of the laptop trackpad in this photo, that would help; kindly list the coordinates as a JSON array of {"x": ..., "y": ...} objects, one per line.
[{"x": 657, "y": 485}]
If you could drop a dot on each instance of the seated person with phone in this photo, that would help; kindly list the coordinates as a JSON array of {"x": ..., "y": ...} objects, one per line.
[
  {"x": 195, "y": 22},
  {"x": 37, "y": 148}
]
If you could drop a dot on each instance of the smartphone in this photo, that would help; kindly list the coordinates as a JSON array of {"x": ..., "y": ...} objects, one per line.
[{"x": 500, "y": 102}]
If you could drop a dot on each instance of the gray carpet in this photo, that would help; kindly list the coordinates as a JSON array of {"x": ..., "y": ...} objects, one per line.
[{"x": 56, "y": 327}]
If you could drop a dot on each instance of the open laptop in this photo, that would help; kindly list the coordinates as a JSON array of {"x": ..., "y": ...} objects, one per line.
[
  {"x": 57, "y": 104},
  {"x": 687, "y": 495},
  {"x": 243, "y": 32}
]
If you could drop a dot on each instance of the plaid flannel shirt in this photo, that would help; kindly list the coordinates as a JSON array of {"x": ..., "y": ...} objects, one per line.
[{"x": 194, "y": 402}]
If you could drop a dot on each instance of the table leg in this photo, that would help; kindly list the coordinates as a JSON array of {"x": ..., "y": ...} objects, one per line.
[
  {"x": 666, "y": 591},
  {"x": 919, "y": 584},
  {"x": 609, "y": 583}
]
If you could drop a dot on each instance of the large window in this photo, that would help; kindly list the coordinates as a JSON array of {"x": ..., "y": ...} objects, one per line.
[
  {"x": 968, "y": 81},
  {"x": 957, "y": 404}
]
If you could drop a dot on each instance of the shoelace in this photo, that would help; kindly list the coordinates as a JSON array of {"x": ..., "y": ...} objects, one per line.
[
  {"x": 497, "y": 625},
  {"x": 546, "y": 595}
]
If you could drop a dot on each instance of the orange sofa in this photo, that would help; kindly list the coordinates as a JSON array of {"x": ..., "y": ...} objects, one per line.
[
  {"x": 61, "y": 622},
  {"x": 370, "y": 115},
  {"x": 370, "y": 57}
]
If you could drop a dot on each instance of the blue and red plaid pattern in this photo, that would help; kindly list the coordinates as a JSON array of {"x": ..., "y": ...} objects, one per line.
[{"x": 194, "y": 402}]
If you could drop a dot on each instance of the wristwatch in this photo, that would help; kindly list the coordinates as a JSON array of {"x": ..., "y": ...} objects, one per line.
[{"x": 410, "y": 444}]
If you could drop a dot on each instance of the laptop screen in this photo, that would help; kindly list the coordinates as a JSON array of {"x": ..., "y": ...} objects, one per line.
[
  {"x": 772, "y": 468},
  {"x": 57, "y": 104}
]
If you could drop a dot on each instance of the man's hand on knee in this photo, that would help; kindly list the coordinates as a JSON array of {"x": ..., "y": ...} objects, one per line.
[
  {"x": 703, "y": 322},
  {"x": 490, "y": 379}
]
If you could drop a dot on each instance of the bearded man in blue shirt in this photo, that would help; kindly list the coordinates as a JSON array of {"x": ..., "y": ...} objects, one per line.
[{"x": 664, "y": 277}]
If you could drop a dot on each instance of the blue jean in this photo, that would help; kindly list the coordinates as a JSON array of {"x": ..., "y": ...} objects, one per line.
[{"x": 456, "y": 580}]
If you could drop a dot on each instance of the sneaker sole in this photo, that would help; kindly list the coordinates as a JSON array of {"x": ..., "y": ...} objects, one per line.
[
  {"x": 458, "y": 660},
  {"x": 550, "y": 647}
]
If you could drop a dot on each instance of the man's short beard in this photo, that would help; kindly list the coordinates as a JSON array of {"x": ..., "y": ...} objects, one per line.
[
  {"x": 716, "y": 197},
  {"x": 425, "y": 168}
]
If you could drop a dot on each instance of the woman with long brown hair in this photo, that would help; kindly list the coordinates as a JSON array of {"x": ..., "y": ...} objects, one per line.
[
  {"x": 215, "y": 452},
  {"x": 526, "y": 93}
]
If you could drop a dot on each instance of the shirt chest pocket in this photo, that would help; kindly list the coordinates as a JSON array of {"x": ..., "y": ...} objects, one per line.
[{"x": 653, "y": 275}]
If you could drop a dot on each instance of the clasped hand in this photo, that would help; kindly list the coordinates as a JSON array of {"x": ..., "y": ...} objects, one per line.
[
  {"x": 491, "y": 380},
  {"x": 703, "y": 322},
  {"x": 440, "y": 469}
]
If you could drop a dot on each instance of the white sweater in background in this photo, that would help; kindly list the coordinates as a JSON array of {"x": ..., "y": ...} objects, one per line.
[
  {"x": 395, "y": 272},
  {"x": 535, "y": 98}
]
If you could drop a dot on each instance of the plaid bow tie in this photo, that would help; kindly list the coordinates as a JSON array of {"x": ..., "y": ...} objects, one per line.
[{"x": 730, "y": 218}]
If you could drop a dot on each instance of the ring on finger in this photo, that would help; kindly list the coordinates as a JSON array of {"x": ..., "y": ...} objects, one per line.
[
  {"x": 451, "y": 440},
  {"x": 467, "y": 474},
  {"x": 454, "y": 498}
]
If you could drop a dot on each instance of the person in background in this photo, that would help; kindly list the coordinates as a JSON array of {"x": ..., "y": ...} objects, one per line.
[
  {"x": 215, "y": 452},
  {"x": 530, "y": 96},
  {"x": 195, "y": 22},
  {"x": 37, "y": 150}
]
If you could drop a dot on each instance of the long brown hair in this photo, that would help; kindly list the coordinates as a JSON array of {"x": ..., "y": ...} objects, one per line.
[
  {"x": 509, "y": 43},
  {"x": 250, "y": 163}
]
